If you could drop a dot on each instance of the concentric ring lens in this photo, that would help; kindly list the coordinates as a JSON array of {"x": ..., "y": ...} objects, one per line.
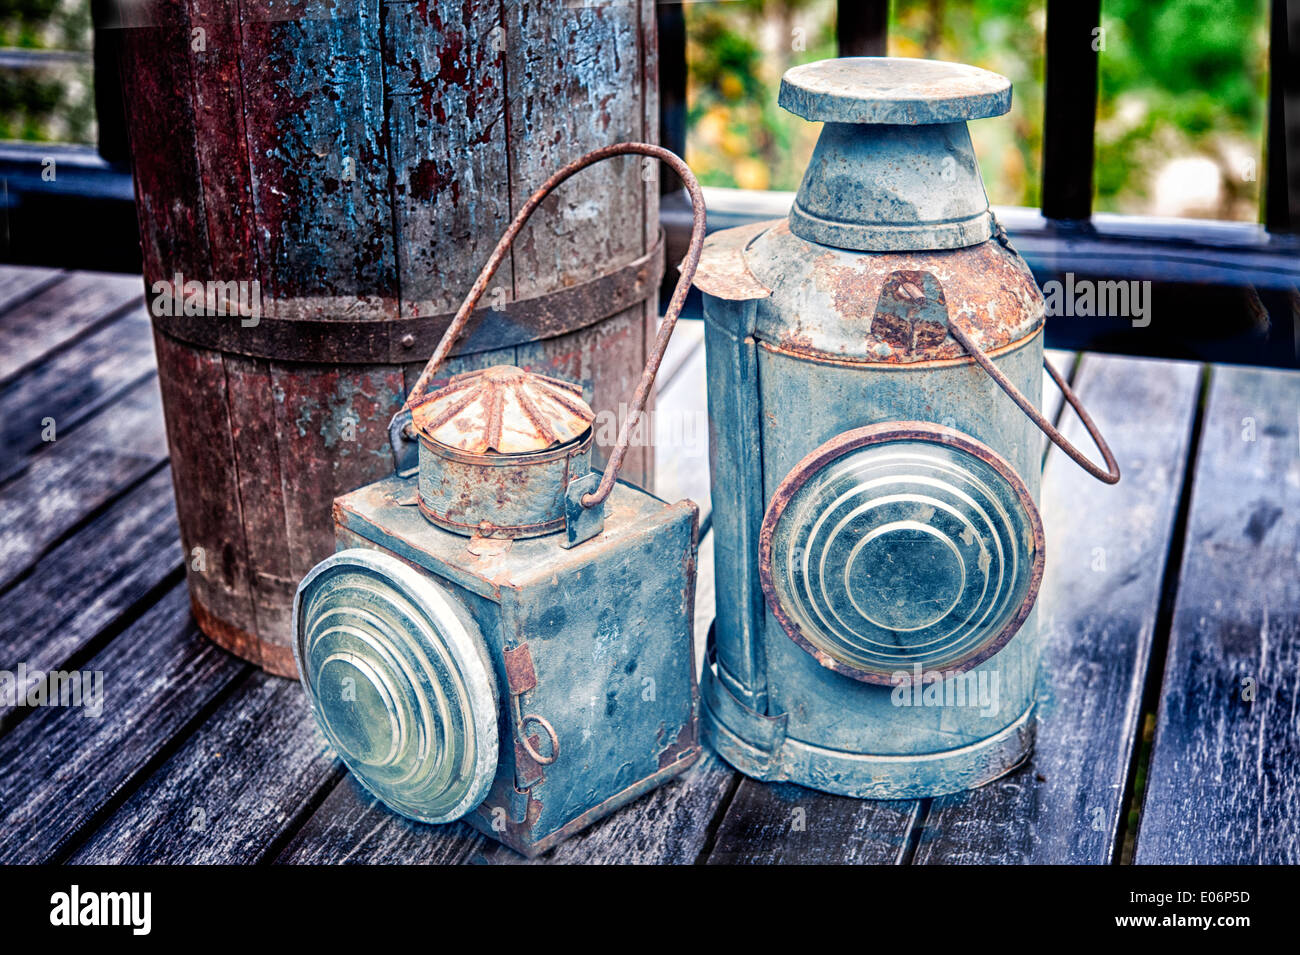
[
  {"x": 400, "y": 683},
  {"x": 898, "y": 545}
]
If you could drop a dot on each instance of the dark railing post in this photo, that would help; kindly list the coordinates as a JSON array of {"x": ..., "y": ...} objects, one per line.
[
  {"x": 110, "y": 116},
  {"x": 1070, "y": 107},
  {"x": 1282, "y": 178},
  {"x": 861, "y": 27},
  {"x": 671, "y": 24}
]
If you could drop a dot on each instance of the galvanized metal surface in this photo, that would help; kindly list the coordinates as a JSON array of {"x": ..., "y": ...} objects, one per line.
[
  {"x": 840, "y": 305},
  {"x": 890, "y": 90},
  {"x": 837, "y": 393},
  {"x": 499, "y": 495},
  {"x": 592, "y": 647},
  {"x": 894, "y": 169},
  {"x": 900, "y": 548}
]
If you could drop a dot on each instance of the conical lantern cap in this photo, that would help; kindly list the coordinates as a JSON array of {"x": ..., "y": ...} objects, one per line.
[{"x": 503, "y": 409}]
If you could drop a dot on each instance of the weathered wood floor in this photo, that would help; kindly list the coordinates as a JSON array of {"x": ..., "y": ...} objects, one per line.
[{"x": 1168, "y": 716}]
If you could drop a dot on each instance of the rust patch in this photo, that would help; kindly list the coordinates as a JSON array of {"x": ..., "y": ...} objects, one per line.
[
  {"x": 520, "y": 675},
  {"x": 723, "y": 273},
  {"x": 685, "y": 745}
]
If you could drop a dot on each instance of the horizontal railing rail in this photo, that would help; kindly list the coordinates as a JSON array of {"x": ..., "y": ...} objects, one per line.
[{"x": 1224, "y": 291}]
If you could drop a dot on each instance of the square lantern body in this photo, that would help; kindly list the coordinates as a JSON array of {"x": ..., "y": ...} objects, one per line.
[{"x": 595, "y": 639}]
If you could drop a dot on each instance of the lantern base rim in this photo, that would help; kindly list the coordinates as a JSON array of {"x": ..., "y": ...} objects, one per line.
[{"x": 756, "y": 745}]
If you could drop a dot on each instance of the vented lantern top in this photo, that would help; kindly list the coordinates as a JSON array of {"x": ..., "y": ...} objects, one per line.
[{"x": 503, "y": 409}]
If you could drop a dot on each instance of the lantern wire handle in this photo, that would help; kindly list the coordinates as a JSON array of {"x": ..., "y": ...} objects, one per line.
[
  {"x": 1108, "y": 476},
  {"x": 686, "y": 276}
]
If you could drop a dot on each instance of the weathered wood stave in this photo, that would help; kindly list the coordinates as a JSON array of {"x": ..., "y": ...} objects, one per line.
[{"x": 312, "y": 147}]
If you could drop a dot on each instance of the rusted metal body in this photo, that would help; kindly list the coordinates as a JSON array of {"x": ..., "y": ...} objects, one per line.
[
  {"x": 874, "y": 368},
  {"x": 516, "y": 651},
  {"x": 357, "y": 160}
]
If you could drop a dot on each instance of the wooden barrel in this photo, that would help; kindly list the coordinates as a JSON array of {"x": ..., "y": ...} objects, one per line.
[{"x": 358, "y": 159}]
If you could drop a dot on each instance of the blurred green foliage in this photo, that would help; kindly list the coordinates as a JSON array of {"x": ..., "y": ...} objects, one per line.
[
  {"x": 1180, "y": 118},
  {"x": 54, "y": 101}
]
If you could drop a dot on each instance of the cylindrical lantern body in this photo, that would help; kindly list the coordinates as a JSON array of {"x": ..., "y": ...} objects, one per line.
[
  {"x": 346, "y": 169},
  {"x": 878, "y": 548}
]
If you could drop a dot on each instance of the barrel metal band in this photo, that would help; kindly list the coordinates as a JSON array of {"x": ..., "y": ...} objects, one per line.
[{"x": 392, "y": 341}]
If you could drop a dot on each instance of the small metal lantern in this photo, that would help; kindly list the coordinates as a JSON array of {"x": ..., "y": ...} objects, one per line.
[
  {"x": 505, "y": 635},
  {"x": 874, "y": 373}
]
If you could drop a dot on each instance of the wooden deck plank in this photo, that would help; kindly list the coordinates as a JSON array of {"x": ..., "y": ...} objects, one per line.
[
  {"x": 1107, "y": 548},
  {"x": 1222, "y": 785},
  {"x": 64, "y": 311},
  {"x": 80, "y": 588},
  {"x": 681, "y": 427},
  {"x": 111, "y": 451},
  {"x": 232, "y": 789},
  {"x": 71, "y": 385},
  {"x": 773, "y": 823},
  {"x": 20, "y": 282},
  {"x": 353, "y": 827},
  {"x": 668, "y": 825},
  {"x": 688, "y": 337},
  {"x": 62, "y": 767}
]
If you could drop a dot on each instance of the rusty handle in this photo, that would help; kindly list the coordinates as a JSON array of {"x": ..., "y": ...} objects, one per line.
[
  {"x": 642, "y": 392},
  {"x": 1108, "y": 476}
]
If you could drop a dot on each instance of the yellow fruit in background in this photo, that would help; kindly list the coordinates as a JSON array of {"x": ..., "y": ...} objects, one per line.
[
  {"x": 734, "y": 144},
  {"x": 712, "y": 125},
  {"x": 730, "y": 86},
  {"x": 752, "y": 173}
]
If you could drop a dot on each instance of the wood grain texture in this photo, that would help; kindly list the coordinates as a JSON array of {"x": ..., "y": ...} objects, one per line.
[
  {"x": 86, "y": 583},
  {"x": 255, "y": 444},
  {"x": 668, "y": 826},
  {"x": 221, "y": 154},
  {"x": 1106, "y": 553},
  {"x": 77, "y": 474},
  {"x": 206, "y": 480},
  {"x": 63, "y": 767},
  {"x": 576, "y": 83},
  {"x": 1222, "y": 786},
  {"x": 450, "y": 155},
  {"x": 317, "y": 153},
  {"x": 21, "y": 282},
  {"x": 61, "y": 313},
  {"x": 352, "y": 827},
  {"x": 775, "y": 823},
  {"x": 681, "y": 424},
  {"x": 160, "y": 125},
  {"x": 232, "y": 788},
  {"x": 70, "y": 386}
]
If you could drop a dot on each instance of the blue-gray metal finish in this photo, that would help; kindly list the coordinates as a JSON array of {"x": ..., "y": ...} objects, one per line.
[
  {"x": 590, "y": 649},
  {"x": 500, "y": 495},
  {"x": 895, "y": 652},
  {"x": 894, "y": 168}
]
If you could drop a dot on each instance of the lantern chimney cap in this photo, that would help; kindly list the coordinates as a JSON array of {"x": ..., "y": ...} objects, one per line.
[
  {"x": 503, "y": 409},
  {"x": 893, "y": 90}
]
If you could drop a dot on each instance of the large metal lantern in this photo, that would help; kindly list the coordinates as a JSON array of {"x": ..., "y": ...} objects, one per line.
[
  {"x": 504, "y": 635},
  {"x": 874, "y": 368}
]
